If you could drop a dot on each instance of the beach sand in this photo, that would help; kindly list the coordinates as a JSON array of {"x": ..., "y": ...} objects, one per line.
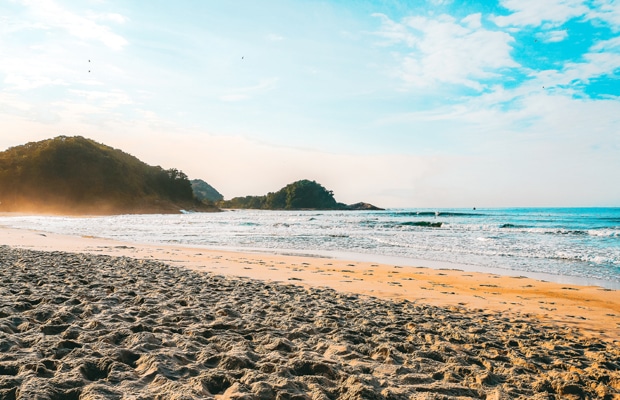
[{"x": 91, "y": 318}]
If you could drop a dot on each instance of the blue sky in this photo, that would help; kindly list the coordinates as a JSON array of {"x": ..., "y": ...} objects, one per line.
[{"x": 432, "y": 103}]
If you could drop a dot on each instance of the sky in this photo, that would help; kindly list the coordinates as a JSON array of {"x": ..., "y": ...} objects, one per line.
[{"x": 420, "y": 103}]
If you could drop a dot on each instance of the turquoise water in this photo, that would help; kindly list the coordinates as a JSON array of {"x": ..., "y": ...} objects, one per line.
[{"x": 563, "y": 243}]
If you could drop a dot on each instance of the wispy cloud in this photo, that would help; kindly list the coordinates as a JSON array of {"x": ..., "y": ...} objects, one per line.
[
  {"x": 607, "y": 11},
  {"x": 21, "y": 82},
  {"x": 39, "y": 49},
  {"x": 245, "y": 93},
  {"x": 105, "y": 99},
  {"x": 52, "y": 15},
  {"x": 552, "y": 36},
  {"x": 602, "y": 59},
  {"x": 445, "y": 50},
  {"x": 27, "y": 68},
  {"x": 112, "y": 17},
  {"x": 535, "y": 12},
  {"x": 275, "y": 37},
  {"x": 440, "y": 2},
  {"x": 393, "y": 32}
]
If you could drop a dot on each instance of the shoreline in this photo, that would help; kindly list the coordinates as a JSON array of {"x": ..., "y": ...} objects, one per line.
[
  {"x": 593, "y": 310},
  {"x": 570, "y": 267},
  {"x": 432, "y": 264}
]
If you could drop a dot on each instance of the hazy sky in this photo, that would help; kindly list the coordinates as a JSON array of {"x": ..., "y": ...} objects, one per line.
[{"x": 400, "y": 103}]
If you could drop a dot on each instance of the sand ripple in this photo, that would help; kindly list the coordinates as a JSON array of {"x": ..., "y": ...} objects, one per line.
[{"x": 79, "y": 326}]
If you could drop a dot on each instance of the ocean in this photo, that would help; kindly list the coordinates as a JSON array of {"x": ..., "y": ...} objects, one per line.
[{"x": 569, "y": 245}]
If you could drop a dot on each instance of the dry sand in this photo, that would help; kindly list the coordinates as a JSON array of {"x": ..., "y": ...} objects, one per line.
[{"x": 91, "y": 326}]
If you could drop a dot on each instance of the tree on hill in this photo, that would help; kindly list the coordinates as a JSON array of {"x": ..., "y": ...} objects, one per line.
[
  {"x": 203, "y": 191},
  {"x": 75, "y": 174},
  {"x": 309, "y": 194},
  {"x": 303, "y": 194}
]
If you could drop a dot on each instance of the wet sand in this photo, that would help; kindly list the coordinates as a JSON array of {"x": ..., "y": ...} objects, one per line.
[{"x": 122, "y": 320}]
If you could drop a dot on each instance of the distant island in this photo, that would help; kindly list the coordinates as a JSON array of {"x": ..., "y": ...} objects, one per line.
[
  {"x": 300, "y": 195},
  {"x": 75, "y": 175}
]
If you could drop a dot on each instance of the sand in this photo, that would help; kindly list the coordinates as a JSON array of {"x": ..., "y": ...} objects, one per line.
[{"x": 90, "y": 318}]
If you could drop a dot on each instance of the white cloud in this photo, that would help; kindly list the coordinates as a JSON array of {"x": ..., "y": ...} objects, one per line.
[
  {"x": 89, "y": 109},
  {"x": 552, "y": 36},
  {"x": 10, "y": 25},
  {"x": 607, "y": 11},
  {"x": 473, "y": 21},
  {"x": 245, "y": 93},
  {"x": 537, "y": 12},
  {"x": 612, "y": 44},
  {"x": 393, "y": 32},
  {"x": 274, "y": 37},
  {"x": 31, "y": 67},
  {"x": 602, "y": 59},
  {"x": 444, "y": 50},
  {"x": 13, "y": 104},
  {"x": 52, "y": 15},
  {"x": 440, "y": 2},
  {"x": 105, "y": 99},
  {"x": 21, "y": 82},
  {"x": 114, "y": 17}
]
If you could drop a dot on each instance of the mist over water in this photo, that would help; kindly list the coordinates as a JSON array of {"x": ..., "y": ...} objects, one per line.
[{"x": 581, "y": 243}]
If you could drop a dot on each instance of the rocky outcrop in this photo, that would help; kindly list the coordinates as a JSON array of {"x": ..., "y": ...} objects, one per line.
[{"x": 363, "y": 206}]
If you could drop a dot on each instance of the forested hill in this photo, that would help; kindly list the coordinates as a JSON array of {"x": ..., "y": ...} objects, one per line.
[
  {"x": 80, "y": 176},
  {"x": 300, "y": 195},
  {"x": 204, "y": 191}
]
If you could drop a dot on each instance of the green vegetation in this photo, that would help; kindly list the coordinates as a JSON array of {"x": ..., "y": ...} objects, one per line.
[
  {"x": 300, "y": 195},
  {"x": 205, "y": 192},
  {"x": 78, "y": 175},
  {"x": 75, "y": 175}
]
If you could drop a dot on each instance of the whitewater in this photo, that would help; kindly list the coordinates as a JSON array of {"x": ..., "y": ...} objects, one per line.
[{"x": 573, "y": 245}]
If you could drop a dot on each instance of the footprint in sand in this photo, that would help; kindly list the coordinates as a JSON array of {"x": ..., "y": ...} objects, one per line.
[{"x": 91, "y": 326}]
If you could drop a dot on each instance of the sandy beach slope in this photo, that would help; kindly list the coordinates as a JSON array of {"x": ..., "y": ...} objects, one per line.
[
  {"x": 593, "y": 310},
  {"x": 93, "y": 326}
]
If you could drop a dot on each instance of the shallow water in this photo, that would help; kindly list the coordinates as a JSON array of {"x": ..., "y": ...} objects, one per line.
[{"x": 583, "y": 243}]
